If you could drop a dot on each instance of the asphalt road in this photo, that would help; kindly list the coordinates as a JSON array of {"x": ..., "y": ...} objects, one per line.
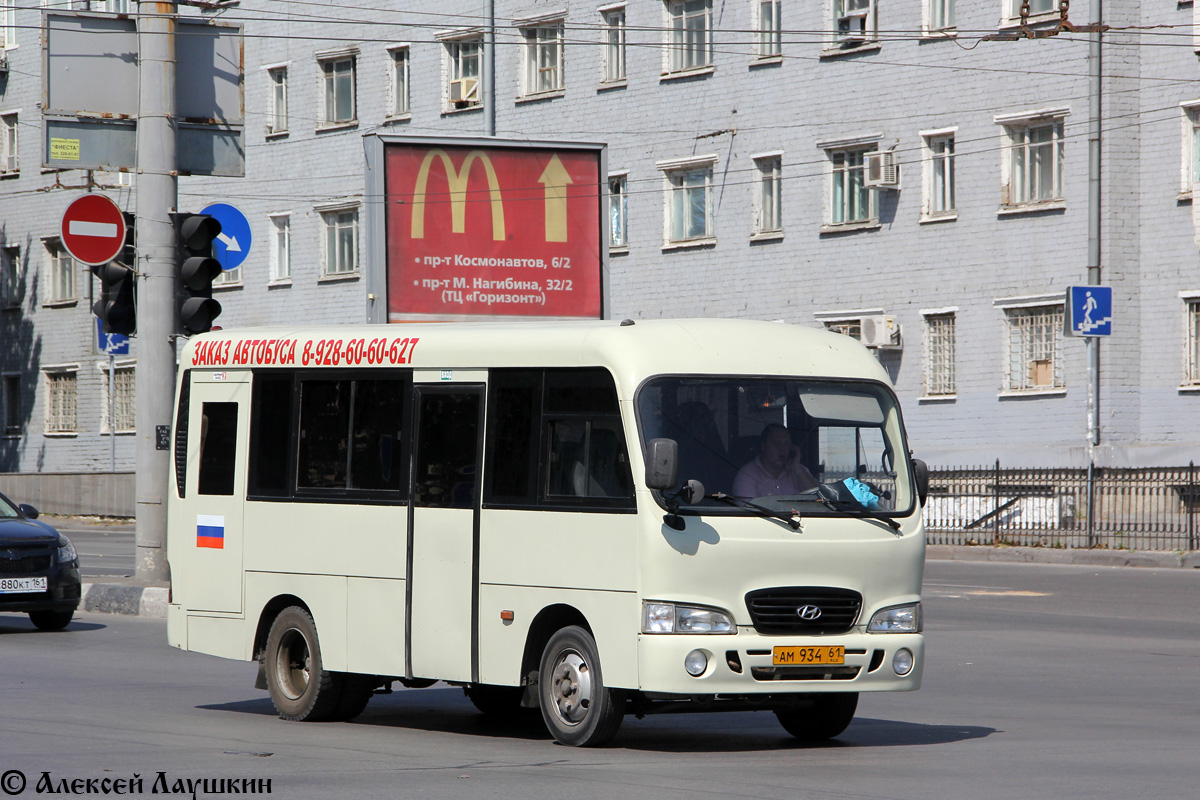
[
  {"x": 1042, "y": 682},
  {"x": 106, "y": 549}
]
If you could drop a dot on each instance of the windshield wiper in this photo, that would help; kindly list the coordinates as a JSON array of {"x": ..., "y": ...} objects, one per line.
[
  {"x": 853, "y": 508},
  {"x": 792, "y": 519}
]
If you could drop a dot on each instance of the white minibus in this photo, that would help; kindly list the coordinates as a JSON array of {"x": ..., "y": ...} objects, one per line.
[{"x": 593, "y": 518}]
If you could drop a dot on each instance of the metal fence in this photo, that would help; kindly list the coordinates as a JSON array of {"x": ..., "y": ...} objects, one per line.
[{"x": 1152, "y": 508}]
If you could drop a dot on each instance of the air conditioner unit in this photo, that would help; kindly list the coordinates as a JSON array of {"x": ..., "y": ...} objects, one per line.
[
  {"x": 879, "y": 330},
  {"x": 852, "y": 27},
  {"x": 882, "y": 170},
  {"x": 3, "y": 63},
  {"x": 464, "y": 90}
]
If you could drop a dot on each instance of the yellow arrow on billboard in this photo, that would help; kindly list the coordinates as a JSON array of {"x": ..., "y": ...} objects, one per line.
[{"x": 555, "y": 179}]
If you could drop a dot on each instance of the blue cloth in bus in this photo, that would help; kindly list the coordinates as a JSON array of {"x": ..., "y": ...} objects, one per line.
[{"x": 861, "y": 493}]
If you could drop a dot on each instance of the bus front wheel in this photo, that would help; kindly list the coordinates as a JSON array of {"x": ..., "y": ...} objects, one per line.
[
  {"x": 300, "y": 688},
  {"x": 578, "y": 709},
  {"x": 829, "y": 716}
]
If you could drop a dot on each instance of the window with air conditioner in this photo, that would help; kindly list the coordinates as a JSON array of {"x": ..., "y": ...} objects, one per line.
[
  {"x": 849, "y": 202},
  {"x": 463, "y": 60},
  {"x": 853, "y": 23}
]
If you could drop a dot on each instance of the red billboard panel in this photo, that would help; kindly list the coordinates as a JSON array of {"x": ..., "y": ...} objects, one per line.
[{"x": 492, "y": 231}]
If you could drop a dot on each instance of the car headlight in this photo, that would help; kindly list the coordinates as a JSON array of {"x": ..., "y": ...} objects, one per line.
[
  {"x": 673, "y": 618},
  {"x": 896, "y": 619},
  {"x": 66, "y": 550}
]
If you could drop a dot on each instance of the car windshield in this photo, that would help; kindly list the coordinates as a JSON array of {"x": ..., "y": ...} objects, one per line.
[
  {"x": 783, "y": 445},
  {"x": 7, "y": 509}
]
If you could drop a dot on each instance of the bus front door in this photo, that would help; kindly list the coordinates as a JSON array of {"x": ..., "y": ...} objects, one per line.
[{"x": 443, "y": 533}]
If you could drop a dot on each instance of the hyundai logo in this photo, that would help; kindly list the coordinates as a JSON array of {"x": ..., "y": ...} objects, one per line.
[{"x": 809, "y": 613}]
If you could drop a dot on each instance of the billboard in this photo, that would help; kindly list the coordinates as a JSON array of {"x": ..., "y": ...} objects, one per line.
[{"x": 489, "y": 228}]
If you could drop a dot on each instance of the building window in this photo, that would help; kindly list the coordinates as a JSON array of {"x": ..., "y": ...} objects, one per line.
[
  {"x": 277, "y": 102},
  {"x": 853, "y": 22},
  {"x": 689, "y": 200},
  {"x": 939, "y": 175},
  {"x": 939, "y": 354},
  {"x": 125, "y": 394},
  {"x": 281, "y": 247},
  {"x": 1036, "y": 8},
  {"x": 1191, "y": 375},
  {"x": 10, "y": 274},
  {"x": 769, "y": 42},
  {"x": 60, "y": 268},
  {"x": 60, "y": 400},
  {"x": 1033, "y": 360},
  {"x": 614, "y": 45},
  {"x": 847, "y": 327},
  {"x": 939, "y": 15},
  {"x": 8, "y": 24},
  {"x": 1034, "y": 163},
  {"x": 10, "y": 162},
  {"x": 337, "y": 86},
  {"x": 112, "y": 6},
  {"x": 398, "y": 103},
  {"x": 341, "y": 241},
  {"x": 229, "y": 277},
  {"x": 1189, "y": 172},
  {"x": 690, "y": 34},
  {"x": 12, "y": 405},
  {"x": 768, "y": 217},
  {"x": 463, "y": 60},
  {"x": 850, "y": 201},
  {"x": 543, "y": 54},
  {"x": 618, "y": 211}
]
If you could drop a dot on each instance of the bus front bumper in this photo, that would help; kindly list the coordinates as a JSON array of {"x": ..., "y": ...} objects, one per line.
[{"x": 744, "y": 664}]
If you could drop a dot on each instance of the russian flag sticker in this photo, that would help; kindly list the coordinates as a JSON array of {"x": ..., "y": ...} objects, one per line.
[{"x": 210, "y": 531}]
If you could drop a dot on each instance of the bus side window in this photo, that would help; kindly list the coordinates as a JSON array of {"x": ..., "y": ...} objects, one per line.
[
  {"x": 587, "y": 457},
  {"x": 218, "y": 448},
  {"x": 514, "y": 411},
  {"x": 271, "y": 430}
]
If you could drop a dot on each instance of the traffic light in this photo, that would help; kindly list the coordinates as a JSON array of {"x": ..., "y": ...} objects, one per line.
[
  {"x": 197, "y": 270},
  {"x": 117, "y": 306}
]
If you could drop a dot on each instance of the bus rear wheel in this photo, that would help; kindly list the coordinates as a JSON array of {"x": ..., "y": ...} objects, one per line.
[
  {"x": 578, "y": 709},
  {"x": 300, "y": 688},
  {"x": 829, "y": 716}
]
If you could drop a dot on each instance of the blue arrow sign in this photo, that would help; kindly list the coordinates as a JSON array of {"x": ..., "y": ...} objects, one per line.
[
  {"x": 112, "y": 344},
  {"x": 232, "y": 245},
  {"x": 1089, "y": 310}
]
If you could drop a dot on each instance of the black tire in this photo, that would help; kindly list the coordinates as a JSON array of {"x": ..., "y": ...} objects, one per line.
[
  {"x": 829, "y": 716},
  {"x": 357, "y": 691},
  {"x": 578, "y": 709},
  {"x": 496, "y": 701},
  {"x": 300, "y": 688},
  {"x": 51, "y": 620}
]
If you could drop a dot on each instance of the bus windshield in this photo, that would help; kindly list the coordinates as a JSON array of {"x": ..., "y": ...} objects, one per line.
[{"x": 789, "y": 445}]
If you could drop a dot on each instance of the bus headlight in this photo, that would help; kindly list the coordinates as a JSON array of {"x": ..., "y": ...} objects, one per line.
[
  {"x": 896, "y": 619},
  {"x": 672, "y": 618}
]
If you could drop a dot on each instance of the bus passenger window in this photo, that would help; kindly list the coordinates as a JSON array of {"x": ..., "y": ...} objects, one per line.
[
  {"x": 218, "y": 448},
  {"x": 377, "y": 422},
  {"x": 587, "y": 459},
  {"x": 514, "y": 400},
  {"x": 324, "y": 421},
  {"x": 270, "y": 432}
]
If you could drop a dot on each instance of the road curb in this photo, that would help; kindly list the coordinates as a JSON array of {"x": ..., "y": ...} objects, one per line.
[
  {"x": 1078, "y": 557},
  {"x": 143, "y": 601}
]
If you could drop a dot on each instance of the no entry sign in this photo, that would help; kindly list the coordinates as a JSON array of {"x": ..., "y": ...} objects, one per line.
[{"x": 93, "y": 229}]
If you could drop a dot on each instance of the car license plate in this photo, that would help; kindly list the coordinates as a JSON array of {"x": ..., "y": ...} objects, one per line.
[
  {"x": 22, "y": 585},
  {"x": 799, "y": 656}
]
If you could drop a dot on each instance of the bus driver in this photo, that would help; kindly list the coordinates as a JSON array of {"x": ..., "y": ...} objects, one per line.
[{"x": 776, "y": 469}]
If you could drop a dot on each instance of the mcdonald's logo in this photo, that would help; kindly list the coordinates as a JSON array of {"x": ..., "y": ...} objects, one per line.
[{"x": 457, "y": 180}]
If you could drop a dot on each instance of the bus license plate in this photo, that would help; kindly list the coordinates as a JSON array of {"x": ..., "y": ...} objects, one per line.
[
  {"x": 22, "y": 585},
  {"x": 788, "y": 656}
]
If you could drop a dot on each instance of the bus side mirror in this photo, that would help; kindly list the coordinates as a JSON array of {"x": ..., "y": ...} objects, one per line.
[
  {"x": 662, "y": 464},
  {"x": 921, "y": 475}
]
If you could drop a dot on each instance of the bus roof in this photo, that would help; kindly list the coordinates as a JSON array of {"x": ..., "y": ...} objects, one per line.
[{"x": 632, "y": 350}]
